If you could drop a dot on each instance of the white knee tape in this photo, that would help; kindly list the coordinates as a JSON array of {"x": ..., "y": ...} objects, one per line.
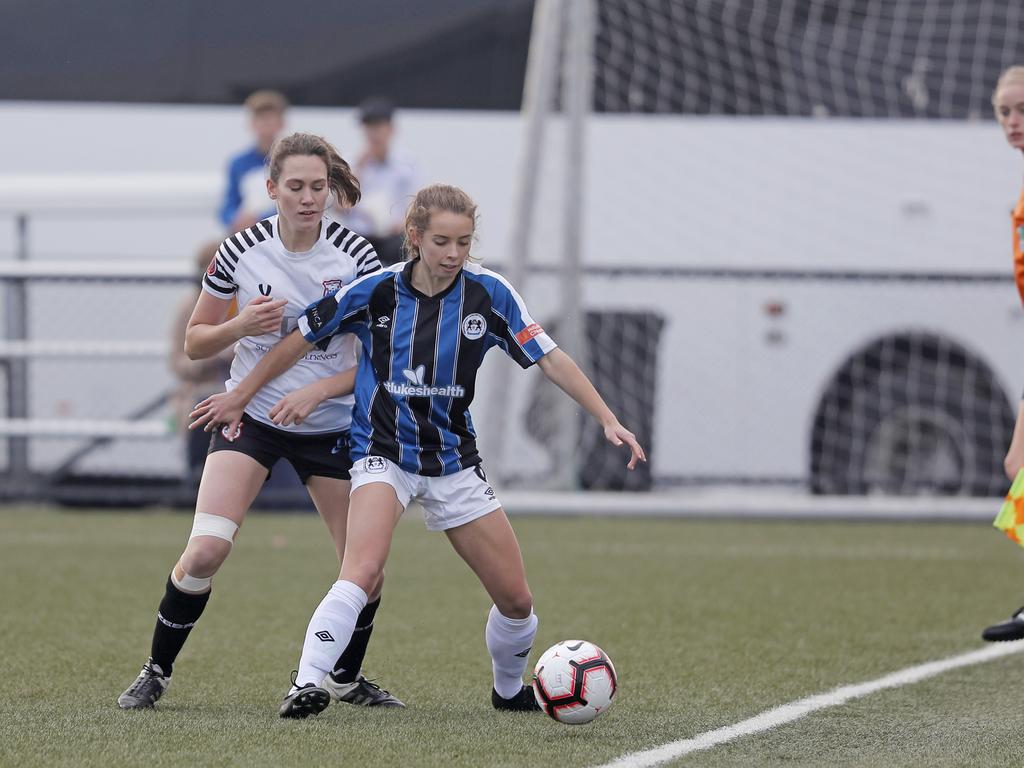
[
  {"x": 190, "y": 583},
  {"x": 214, "y": 525}
]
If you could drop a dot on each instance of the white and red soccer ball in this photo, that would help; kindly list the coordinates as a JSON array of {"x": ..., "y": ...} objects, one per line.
[{"x": 574, "y": 682}]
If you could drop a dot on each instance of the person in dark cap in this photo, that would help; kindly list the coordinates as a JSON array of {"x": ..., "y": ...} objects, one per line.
[{"x": 387, "y": 180}]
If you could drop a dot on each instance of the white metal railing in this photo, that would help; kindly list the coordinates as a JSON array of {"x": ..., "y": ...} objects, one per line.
[
  {"x": 99, "y": 428},
  {"x": 10, "y": 350},
  {"x": 175, "y": 271},
  {"x": 32, "y": 201}
]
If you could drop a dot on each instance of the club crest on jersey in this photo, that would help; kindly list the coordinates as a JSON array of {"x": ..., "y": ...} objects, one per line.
[
  {"x": 212, "y": 269},
  {"x": 474, "y": 326},
  {"x": 332, "y": 286},
  {"x": 376, "y": 464}
]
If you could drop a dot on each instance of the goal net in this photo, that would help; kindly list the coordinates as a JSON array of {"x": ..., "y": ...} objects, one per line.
[{"x": 776, "y": 237}]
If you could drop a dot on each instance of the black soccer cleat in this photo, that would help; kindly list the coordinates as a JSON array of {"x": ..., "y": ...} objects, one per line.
[
  {"x": 524, "y": 701},
  {"x": 1011, "y": 629},
  {"x": 308, "y": 700},
  {"x": 147, "y": 688},
  {"x": 361, "y": 692}
]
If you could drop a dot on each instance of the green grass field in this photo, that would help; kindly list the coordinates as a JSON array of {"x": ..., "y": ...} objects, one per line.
[{"x": 708, "y": 623}]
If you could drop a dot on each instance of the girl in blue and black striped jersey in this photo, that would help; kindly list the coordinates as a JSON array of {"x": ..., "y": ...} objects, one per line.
[{"x": 425, "y": 326}]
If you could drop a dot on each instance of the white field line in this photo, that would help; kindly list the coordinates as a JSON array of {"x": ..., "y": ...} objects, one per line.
[{"x": 787, "y": 713}]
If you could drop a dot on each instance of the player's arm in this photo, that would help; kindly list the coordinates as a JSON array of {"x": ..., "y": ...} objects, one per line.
[
  {"x": 563, "y": 371},
  {"x": 1018, "y": 267},
  {"x": 321, "y": 320},
  {"x": 227, "y": 407},
  {"x": 294, "y": 407},
  {"x": 209, "y": 331},
  {"x": 1014, "y": 460}
]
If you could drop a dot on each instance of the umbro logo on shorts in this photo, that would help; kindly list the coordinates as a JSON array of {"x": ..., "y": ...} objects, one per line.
[
  {"x": 325, "y": 636},
  {"x": 376, "y": 464}
]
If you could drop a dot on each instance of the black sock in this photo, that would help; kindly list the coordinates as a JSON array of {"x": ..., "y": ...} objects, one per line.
[
  {"x": 178, "y": 613},
  {"x": 351, "y": 660}
]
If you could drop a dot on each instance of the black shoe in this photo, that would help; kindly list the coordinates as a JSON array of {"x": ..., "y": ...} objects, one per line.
[
  {"x": 1011, "y": 629},
  {"x": 361, "y": 692},
  {"x": 524, "y": 701},
  {"x": 147, "y": 688},
  {"x": 304, "y": 701}
]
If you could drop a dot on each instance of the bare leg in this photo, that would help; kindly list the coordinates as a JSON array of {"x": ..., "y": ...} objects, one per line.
[
  {"x": 373, "y": 512},
  {"x": 489, "y": 546}
]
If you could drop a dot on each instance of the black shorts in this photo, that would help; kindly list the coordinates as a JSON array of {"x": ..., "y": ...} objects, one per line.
[{"x": 324, "y": 454}]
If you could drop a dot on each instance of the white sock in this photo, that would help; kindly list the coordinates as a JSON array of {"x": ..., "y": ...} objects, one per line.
[
  {"x": 329, "y": 631},
  {"x": 509, "y": 642}
]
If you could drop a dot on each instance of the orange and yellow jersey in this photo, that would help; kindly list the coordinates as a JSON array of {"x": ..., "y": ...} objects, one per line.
[{"x": 1018, "y": 245}]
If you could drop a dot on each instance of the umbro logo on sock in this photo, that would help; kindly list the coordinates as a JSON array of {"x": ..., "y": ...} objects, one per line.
[{"x": 324, "y": 635}]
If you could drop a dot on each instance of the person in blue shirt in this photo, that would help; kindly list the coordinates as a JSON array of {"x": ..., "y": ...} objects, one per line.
[
  {"x": 245, "y": 196},
  {"x": 425, "y": 325}
]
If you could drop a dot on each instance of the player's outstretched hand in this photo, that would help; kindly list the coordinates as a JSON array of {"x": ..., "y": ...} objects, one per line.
[
  {"x": 261, "y": 315},
  {"x": 294, "y": 407},
  {"x": 224, "y": 409},
  {"x": 616, "y": 434}
]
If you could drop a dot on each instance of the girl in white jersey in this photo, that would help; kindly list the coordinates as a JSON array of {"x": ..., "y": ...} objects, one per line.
[
  {"x": 302, "y": 416},
  {"x": 425, "y": 326}
]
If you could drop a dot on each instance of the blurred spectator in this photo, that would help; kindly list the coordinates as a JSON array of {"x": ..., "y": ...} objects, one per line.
[
  {"x": 245, "y": 198},
  {"x": 198, "y": 379},
  {"x": 387, "y": 181}
]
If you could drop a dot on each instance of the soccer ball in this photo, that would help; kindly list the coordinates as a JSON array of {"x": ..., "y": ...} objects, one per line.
[{"x": 574, "y": 681}]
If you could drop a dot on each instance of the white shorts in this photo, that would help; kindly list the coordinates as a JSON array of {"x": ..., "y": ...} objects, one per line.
[{"x": 448, "y": 501}]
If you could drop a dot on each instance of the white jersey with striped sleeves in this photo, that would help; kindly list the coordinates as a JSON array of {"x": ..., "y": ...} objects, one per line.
[{"x": 255, "y": 262}]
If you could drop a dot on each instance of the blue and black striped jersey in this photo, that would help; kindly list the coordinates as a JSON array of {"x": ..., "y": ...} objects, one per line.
[{"x": 417, "y": 375}]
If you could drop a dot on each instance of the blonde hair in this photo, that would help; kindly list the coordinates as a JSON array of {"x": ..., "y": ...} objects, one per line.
[
  {"x": 266, "y": 101},
  {"x": 1011, "y": 76},
  {"x": 340, "y": 178},
  {"x": 436, "y": 197}
]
